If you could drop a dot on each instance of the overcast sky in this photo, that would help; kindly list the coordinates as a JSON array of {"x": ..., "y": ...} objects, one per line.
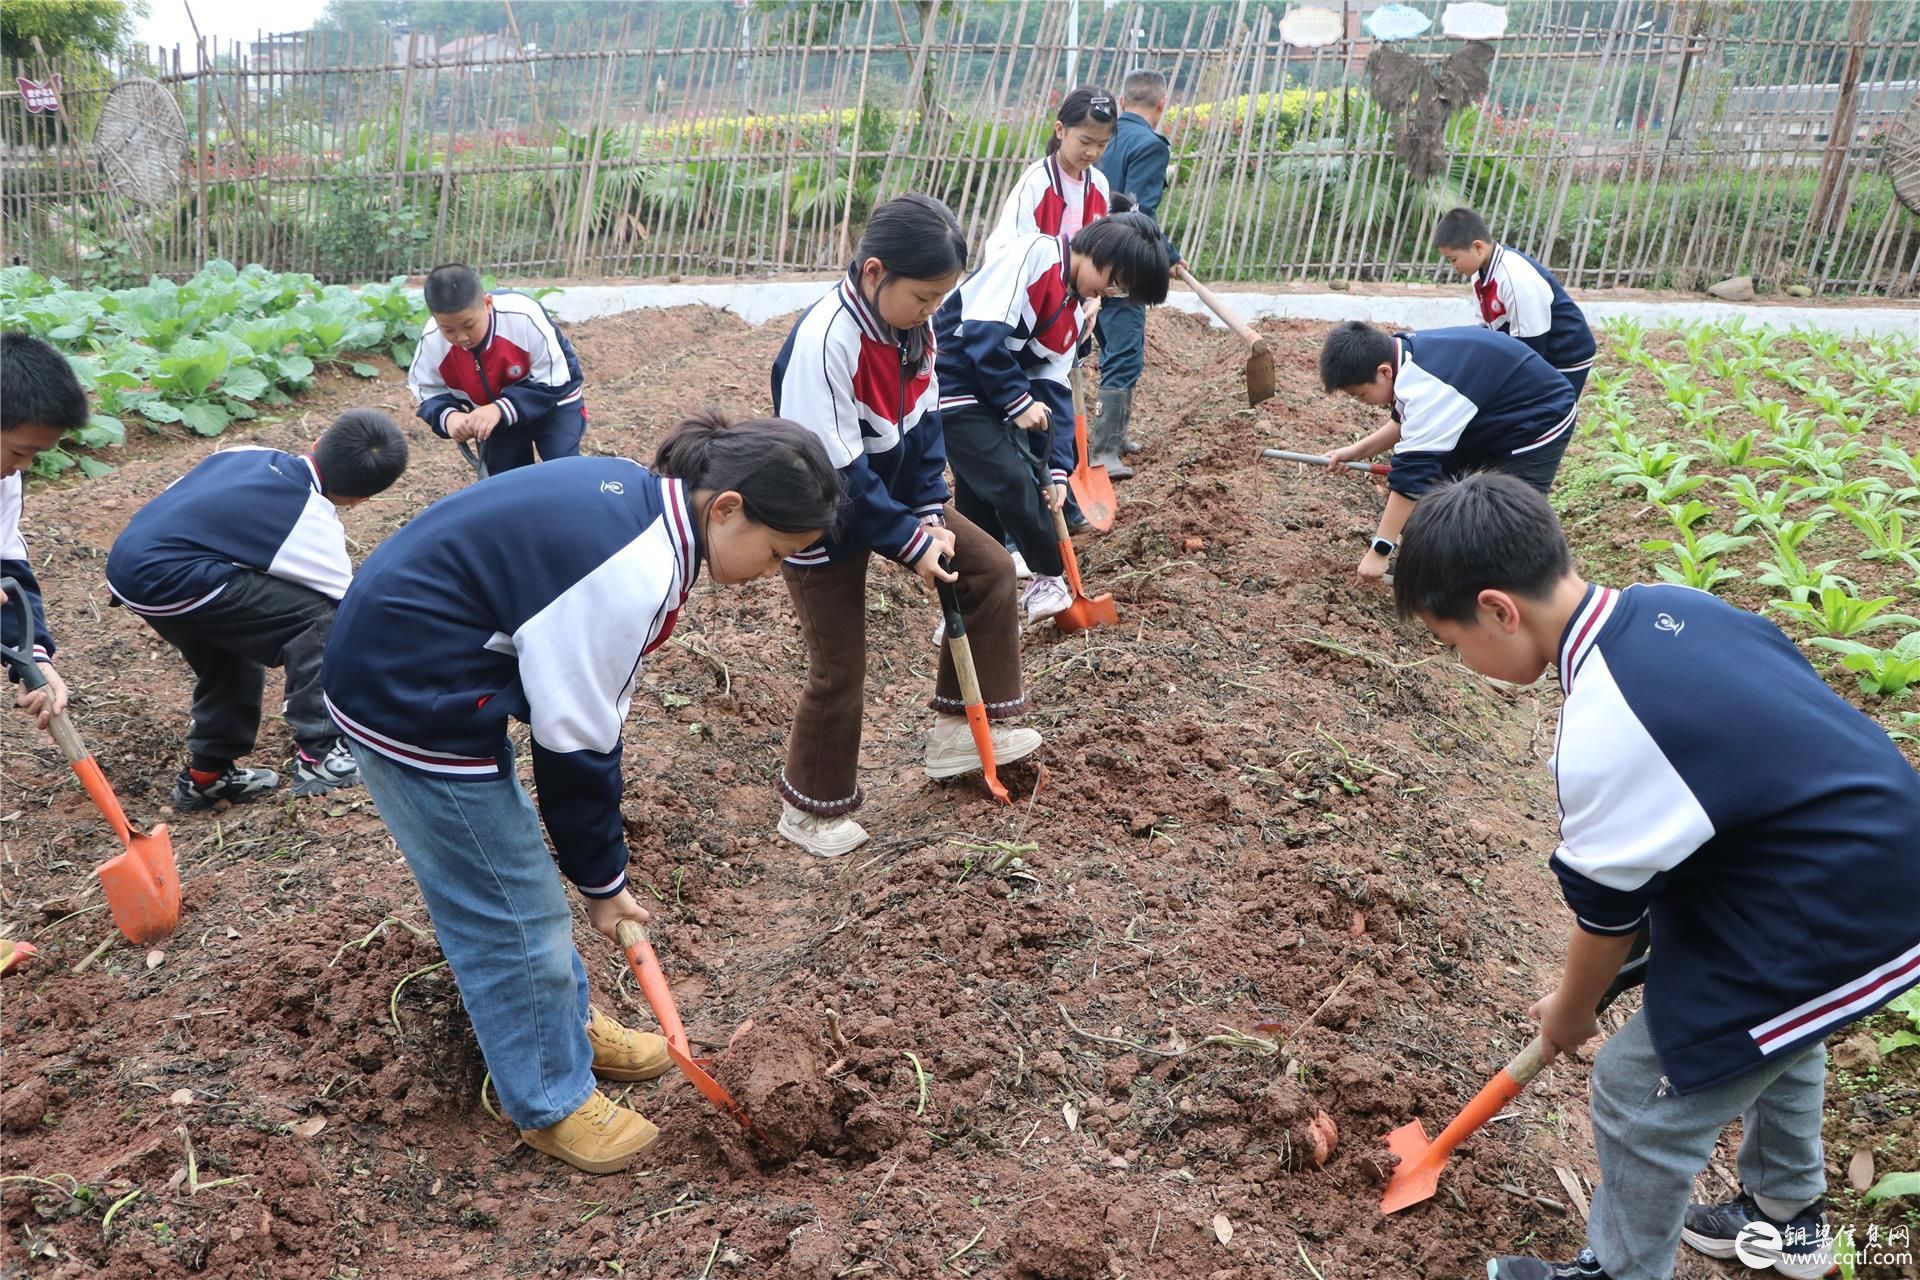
[{"x": 167, "y": 25}]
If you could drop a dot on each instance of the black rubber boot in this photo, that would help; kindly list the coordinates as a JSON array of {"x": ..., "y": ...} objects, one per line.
[{"x": 1109, "y": 431}]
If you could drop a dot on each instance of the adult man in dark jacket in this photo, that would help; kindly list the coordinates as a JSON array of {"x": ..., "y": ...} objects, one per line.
[{"x": 1135, "y": 162}]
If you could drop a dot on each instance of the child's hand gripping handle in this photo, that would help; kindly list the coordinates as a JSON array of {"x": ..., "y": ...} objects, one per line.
[{"x": 21, "y": 663}]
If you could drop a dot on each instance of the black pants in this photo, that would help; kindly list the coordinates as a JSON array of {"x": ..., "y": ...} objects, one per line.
[
  {"x": 1537, "y": 467},
  {"x": 999, "y": 479},
  {"x": 255, "y": 623}
]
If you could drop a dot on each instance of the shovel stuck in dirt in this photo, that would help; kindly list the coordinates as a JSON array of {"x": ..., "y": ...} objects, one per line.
[
  {"x": 1083, "y": 614},
  {"x": 1092, "y": 486},
  {"x": 653, "y": 985},
  {"x": 1417, "y": 1176},
  {"x": 1259, "y": 357},
  {"x": 142, "y": 884},
  {"x": 970, "y": 685},
  {"x": 1321, "y": 460}
]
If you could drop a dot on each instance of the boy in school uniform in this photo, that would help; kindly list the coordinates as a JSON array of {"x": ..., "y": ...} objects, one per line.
[
  {"x": 1518, "y": 296},
  {"x": 240, "y": 565},
  {"x": 1778, "y": 883},
  {"x": 1463, "y": 399},
  {"x": 1134, "y": 162},
  {"x": 493, "y": 368},
  {"x": 40, "y": 401}
]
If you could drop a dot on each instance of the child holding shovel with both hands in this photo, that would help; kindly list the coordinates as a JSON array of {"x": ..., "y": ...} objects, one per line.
[
  {"x": 858, "y": 371},
  {"x": 1779, "y": 883},
  {"x": 535, "y": 597},
  {"x": 1008, "y": 340}
]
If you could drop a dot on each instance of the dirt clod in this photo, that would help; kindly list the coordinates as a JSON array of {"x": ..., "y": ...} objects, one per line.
[{"x": 775, "y": 1071}]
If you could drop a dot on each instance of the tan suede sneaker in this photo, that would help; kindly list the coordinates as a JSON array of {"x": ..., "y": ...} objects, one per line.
[
  {"x": 598, "y": 1138},
  {"x": 621, "y": 1053}
]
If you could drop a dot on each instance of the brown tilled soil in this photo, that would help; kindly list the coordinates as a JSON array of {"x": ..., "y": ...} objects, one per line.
[{"x": 1288, "y": 860}]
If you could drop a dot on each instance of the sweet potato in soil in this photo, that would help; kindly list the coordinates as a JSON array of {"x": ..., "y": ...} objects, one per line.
[{"x": 1256, "y": 754}]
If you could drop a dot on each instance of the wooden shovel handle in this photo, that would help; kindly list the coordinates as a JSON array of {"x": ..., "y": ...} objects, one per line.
[{"x": 1218, "y": 307}]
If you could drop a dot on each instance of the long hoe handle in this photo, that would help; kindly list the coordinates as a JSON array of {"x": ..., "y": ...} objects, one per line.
[
  {"x": 1219, "y": 308},
  {"x": 1321, "y": 460}
]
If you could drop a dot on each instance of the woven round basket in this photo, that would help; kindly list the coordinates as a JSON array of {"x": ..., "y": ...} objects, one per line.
[{"x": 140, "y": 139}]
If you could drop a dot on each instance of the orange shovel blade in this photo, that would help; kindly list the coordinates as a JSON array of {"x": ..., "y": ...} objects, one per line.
[
  {"x": 1092, "y": 487},
  {"x": 983, "y": 743},
  {"x": 1418, "y": 1174},
  {"x": 143, "y": 887},
  {"x": 653, "y": 985},
  {"x": 1085, "y": 614}
]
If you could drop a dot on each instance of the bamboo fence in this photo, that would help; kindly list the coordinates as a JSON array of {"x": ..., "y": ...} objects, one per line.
[{"x": 1659, "y": 145}]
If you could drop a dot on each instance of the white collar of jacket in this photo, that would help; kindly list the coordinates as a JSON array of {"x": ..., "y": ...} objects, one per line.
[
  {"x": 1485, "y": 273},
  {"x": 873, "y": 326},
  {"x": 681, "y": 528}
]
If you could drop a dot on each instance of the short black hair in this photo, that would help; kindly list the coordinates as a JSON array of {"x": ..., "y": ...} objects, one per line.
[
  {"x": 1459, "y": 227},
  {"x": 37, "y": 386},
  {"x": 1353, "y": 353},
  {"x": 1489, "y": 531},
  {"x": 1132, "y": 247},
  {"x": 452, "y": 288},
  {"x": 1144, "y": 86},
  {"x": 914, "y": 236},
  {"x": 778, "y": 467},
  {"x": 361, "y": 454}
]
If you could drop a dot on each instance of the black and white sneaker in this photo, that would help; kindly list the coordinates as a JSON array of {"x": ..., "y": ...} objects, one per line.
[
  {"x": 314, "y": 777},
  {"x": 1584, "y": 1267},
  {"x": 1799, "y": 1248},
  {"x": 235, "y": 785}
]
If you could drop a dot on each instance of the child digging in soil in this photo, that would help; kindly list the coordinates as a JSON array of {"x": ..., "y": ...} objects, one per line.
[
  {"x": 1008, "y": 339},
  {"x": 535, "y": 597},
  {"x": 1518, "y": 296},
  {"x": 492, "y": 368},
  {"x": 1462, "y": 399},
  {"x": 240, "y": 564},
  {"x": 40, "y": 401},
  {"x": 858, "y": 371},
  {"x": 1779, "y": 882}
]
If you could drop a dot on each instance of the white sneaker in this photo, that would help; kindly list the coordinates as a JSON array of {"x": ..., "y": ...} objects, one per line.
[
  {"x": 950, "y": 749},
  {"x": 820, "y": 836},
  {"x": 1044, "y": 597},
  {"x": 1020, "y": 569}
]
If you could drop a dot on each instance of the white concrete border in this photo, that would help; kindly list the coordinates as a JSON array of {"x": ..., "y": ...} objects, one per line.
[{"x": 757, "y": 303}]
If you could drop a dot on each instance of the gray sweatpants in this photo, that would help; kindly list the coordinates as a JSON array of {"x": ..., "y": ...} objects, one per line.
[{"x": 1652, "y": 1142}]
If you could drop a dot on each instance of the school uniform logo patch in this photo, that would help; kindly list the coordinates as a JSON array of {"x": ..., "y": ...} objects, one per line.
[
  {"x": 612, "y": 486},
  {"x": 1667, "y": 622},
  {"x": 516, "y": 371}
]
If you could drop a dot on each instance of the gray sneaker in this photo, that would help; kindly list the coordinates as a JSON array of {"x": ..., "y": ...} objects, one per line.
[{"x": 314, "y": 777}]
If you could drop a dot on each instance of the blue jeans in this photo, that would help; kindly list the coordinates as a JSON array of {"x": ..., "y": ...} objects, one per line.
[
  {"x": 556, "y": 434},
  {"x": 1123, "y": 343},
  {"x": 500, "y": 911}
]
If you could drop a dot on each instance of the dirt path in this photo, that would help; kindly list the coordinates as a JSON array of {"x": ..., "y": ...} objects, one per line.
[{"x": 1268, "y": 805}]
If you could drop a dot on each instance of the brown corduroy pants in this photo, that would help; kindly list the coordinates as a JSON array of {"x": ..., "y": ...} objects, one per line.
[{"x": 822, "y": 773}]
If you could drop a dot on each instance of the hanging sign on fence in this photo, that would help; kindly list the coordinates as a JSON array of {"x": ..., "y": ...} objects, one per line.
[
  {"x": 1310, "y": 28},
  {"x": 1474, "y": 21},
  {"x": 40, "y": 97},
  {"x": 1397, "y": 22}
]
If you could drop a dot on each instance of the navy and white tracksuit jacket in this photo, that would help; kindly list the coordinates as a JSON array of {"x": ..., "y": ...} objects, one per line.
[
  {"x": 1709, "y": 779},
  {"x": 525, "y": 364},
  {"x": 1518, "y": 296},
  {"x": 246, "y": 508},
  {"x": 532, "y": 597},
  {"x": 845, "y": 375},
  {"x": 1038, "y": 205},
  {"x": 14, "y": 564},
  {"x": 1009, "y": 336},
  {"x": 1468, "y": 398}
]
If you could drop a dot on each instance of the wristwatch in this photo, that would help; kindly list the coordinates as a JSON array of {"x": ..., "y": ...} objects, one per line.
[{"x": 1383, "y": 546}]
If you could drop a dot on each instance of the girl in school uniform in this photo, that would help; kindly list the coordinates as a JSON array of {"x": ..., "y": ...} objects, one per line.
[
  {"x": 1007, "y": 340},
  {"x": 534, "y": 597},
  {"x": 1062, "y": 192},
  {"x": 858, "y": 371}
]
